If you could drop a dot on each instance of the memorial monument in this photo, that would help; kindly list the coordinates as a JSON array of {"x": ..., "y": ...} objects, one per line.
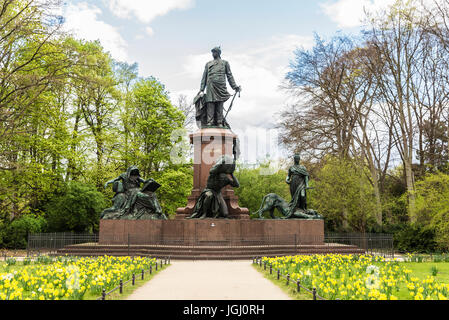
[
  {"x": 214, "y": 138},
  {"x": 212, "y": 216}
]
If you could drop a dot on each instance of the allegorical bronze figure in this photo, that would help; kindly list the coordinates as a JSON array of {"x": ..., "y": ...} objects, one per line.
[
  {"x": 209, "y": 106},
  {"x": 298, "y": 179},
  {"x": 211, "y": 204},
  {"x": 131, "y": 202}
]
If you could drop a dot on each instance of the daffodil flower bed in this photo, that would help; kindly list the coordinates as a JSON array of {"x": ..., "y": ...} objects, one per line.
[
  {"x": 70, "y": 278},
  {"x": 358, "y": 277}
]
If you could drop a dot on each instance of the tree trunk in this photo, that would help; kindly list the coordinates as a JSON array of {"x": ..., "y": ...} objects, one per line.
[{"x": 410, "y": 191}]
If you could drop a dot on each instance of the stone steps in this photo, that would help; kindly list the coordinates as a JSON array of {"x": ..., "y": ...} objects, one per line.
[{"x": 206, "y": 253}]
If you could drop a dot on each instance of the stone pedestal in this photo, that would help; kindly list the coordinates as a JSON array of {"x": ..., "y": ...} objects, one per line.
[
  {"x": 209, "y": 145},
  {"x": 212, "y": 232}
]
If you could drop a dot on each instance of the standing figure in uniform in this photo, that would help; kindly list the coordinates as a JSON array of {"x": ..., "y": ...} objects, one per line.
[{"x": 214, "y": 82}]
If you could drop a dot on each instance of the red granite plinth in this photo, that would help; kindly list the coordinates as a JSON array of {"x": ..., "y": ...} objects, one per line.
[
  {"x": 211, "y": 231},
  {"x": 209, "y": 145}
]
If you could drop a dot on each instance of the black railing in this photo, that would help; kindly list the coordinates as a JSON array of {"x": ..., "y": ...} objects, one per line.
[
  {"x": 297, "y": 283},
  {"x": 121, "y": 286},
  {"x": 58, "y": 240},
  {"x": 374, "y": 244}
]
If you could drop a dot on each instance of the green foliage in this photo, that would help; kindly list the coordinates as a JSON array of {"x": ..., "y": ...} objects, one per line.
[
  {"x": 344, "y": 196},
  {"x": 77, "y": 209},
  {"x": 17, "y": 231},
  {"x": 414, "y": 238},
  {"x": 432, "y": 202},
  {"x": 176, "y": 184},
  {"x": 149, "y": 128},
  {"x": 11, "y": 262},
  {"x": 434, "y": 271},
  {"x": 256, "y": 183},
  {"x": 93, "y": 120}
]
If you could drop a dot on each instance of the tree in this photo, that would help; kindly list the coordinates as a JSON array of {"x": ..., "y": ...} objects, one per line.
[
  {"x": 398, "y": 41},
  {"x": 28, "y": 65},
  {"x": 32, "y": 61},
  {"x": 334, "y": 116},
  {"x": 77, "y": 209},
  {"x": 126, "y": 76},
  {"x": 154, "y": 121},
  {"x": 321, "y": 122},
  {"x": 18, "y": 230},
  {"x": 176, "y": 185},
  {"x": 432, "y": 204},
  {"x": 344, "y": 196},
  {"x": 187, "y": 109},
  {"x": 97, "y": 97},
  {"x": 254, "y": 185}
]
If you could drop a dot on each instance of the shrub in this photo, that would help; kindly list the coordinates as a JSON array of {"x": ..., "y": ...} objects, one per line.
[
  {"x": 434, "y": 271},
  {"x": 255, "y": 183},
  {"x": 176, "y": 185},
  {"x": 344, "y": 196},
  {"x": 18, "y": 230},
  {"x": 415, "y": 238},
  {"x": 77, "y": 209},
  {"x": 432, "y": 202}
]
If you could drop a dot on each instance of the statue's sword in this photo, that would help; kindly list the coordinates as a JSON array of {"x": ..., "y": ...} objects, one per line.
[{"x": 232, "y": 102}]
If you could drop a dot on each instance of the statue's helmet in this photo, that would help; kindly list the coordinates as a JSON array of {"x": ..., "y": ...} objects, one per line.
[
  {"x": 217, "y": 49},
  {"x": 297, "y": 156}
]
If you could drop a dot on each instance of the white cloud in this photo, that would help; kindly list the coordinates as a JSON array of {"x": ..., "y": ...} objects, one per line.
[
  {"x": 260, "y": 71},
  {"x": 149, "y": 31},
  {"x": 350, "y": 13},
  {"x": 146, "y": 10},
  {"x": 82, "y": 20}
]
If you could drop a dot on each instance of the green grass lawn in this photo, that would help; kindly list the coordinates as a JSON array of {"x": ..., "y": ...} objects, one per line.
[{"x": 422, "y": 270}]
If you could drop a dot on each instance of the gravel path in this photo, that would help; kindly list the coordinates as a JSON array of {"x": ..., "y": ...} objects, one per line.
[{"x": 209, "y": 280}]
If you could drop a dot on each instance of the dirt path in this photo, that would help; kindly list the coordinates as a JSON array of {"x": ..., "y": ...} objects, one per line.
[{"x": 209, "y": 280}]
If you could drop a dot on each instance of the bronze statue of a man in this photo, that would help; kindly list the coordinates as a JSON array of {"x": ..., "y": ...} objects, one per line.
[{"x": 214, "y": 82}]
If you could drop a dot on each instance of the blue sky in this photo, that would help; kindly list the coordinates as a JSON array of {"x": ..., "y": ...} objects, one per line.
[{"x": 171, "y": 40}]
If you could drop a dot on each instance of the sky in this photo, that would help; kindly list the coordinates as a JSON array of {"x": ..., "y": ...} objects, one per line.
[{"x": 171, "y": 40}]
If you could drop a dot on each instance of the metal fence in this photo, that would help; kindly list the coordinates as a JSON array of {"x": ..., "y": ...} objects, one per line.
[
  {"x": 58, "y": 240},
  {"x": 375, "y": 244},
  {"x": 119, "y": 289},
  {"x": 297, "y": 283}
]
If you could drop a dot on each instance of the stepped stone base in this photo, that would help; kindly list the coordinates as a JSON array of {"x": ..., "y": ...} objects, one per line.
[
  {"x": 207, "y": 252},
  {"x": 210, "y": 239},
  {"x": 213, "y": 231}
]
